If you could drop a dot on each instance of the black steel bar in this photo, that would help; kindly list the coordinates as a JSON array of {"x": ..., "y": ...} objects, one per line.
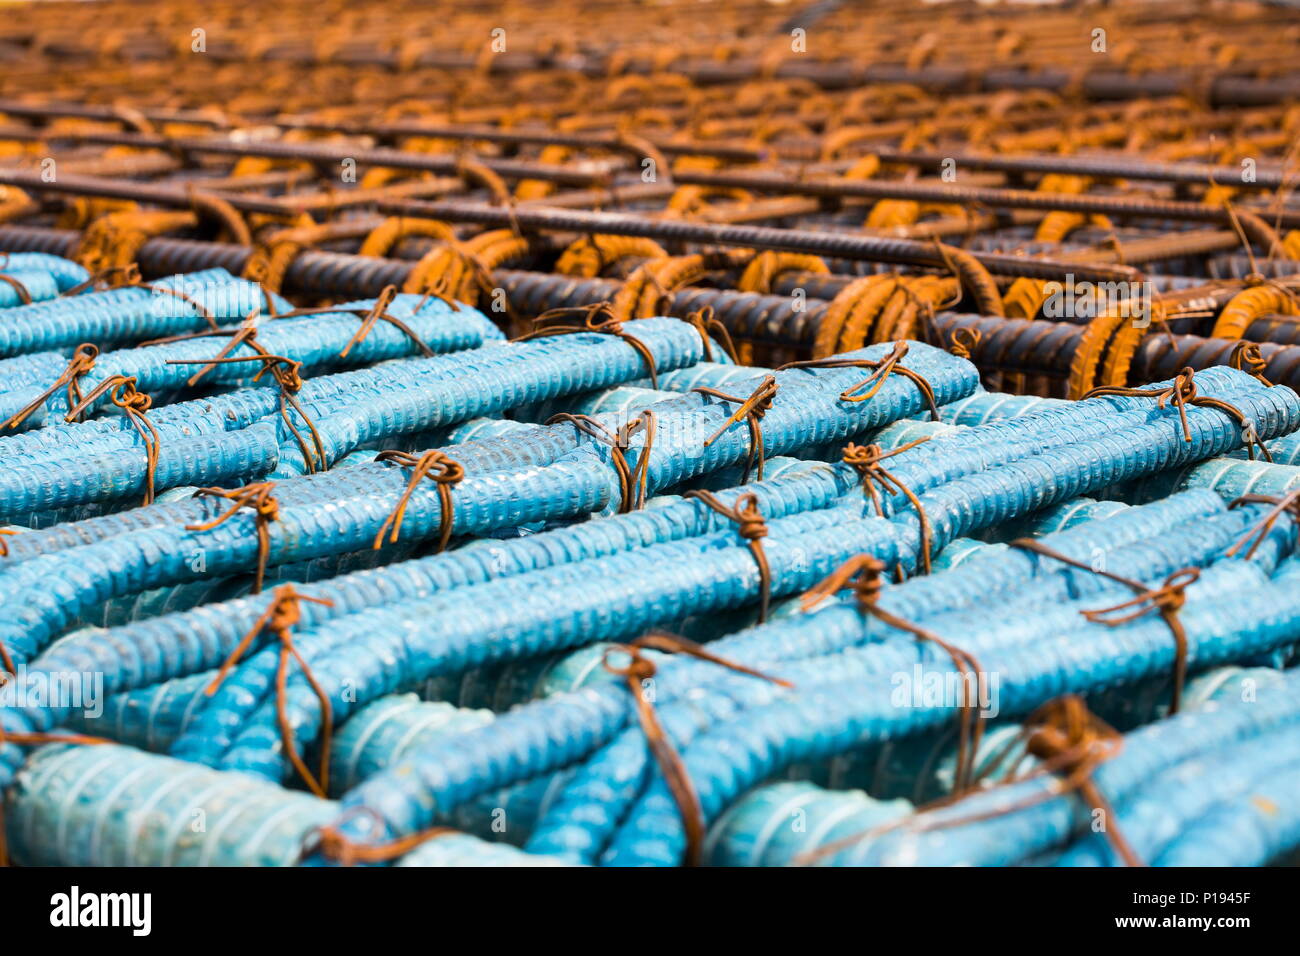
[
  {"x": 873, "y": 248},
  {"x": 1100, "y": 166},
  {"x": 976, "y": 195},
  {"x": 320, "y": 154}
]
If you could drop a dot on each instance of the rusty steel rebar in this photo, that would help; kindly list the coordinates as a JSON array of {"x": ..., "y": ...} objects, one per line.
[{"x": 817, "y": 163}]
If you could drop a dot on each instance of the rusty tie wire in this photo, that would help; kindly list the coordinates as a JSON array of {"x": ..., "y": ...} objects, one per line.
[
  {"x": 280, "y": 618},
  {"x": 244, "y": 334},
  {"x": 82, "y": 361},
  {"x": 863, "y": 573},
  {"x": 135, "y": 405},
  {"x": 926, "y": 308},
  {"x": 1288, "y": 504},
  {"x": 751, "y": 410},
  {"x": 1246, "y": 357},
  {"x": 704, "y": 322},
  {"x": 479, "y": 272},
  {"x": 437, "y": 290},
  {"x": 964, "y": 342},
  {"x": 437, "y": 467},
  {"x": 334, "y": 845},
  {"x": 24, "y": 296},
  {"x": 632, "y": 481},
  {"x": 882, "y": 369},
  {"x": 866, "y": 461},
  {"x": 287, "y": 374},
  {"x": 636, "y": 673},
  {"x": 128, "y": 276},
  {"x": 1181, "y": 393},
  {"x": 752, "y": 528},
  {"x": 102, "y": 279},
  {"x": 592, "y": 321},
  {"x": 378, "y": 312},
  {"x": 1167, "y": 600},
  {"x": 257, "y": 498},
  {"x": 1069, "y": 742}
]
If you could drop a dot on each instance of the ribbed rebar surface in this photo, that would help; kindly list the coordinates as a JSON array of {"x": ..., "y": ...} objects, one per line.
[{"x": 625, "y": 435}]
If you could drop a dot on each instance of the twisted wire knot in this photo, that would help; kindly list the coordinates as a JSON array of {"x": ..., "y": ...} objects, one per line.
[
  {"x": 1247, "y": 357},
  {"x": 863, "y": 573},
  {"x": 122, "y": 392},
  {"x": 752, "y": 528},
  {"x": 866, "y": 461},
  {"x": 965, "y": 341},
  {"x": 82, "y": 361},
  {"x": 750, "y": 524},
  {"x": 126, "y": 396},
  {"x": 448, "y": 470},
  {"x": 635, "y": 672},
  {"x": 750, "y": 410},
  {"x": 1182, "y": 392},
  {"x": 1168, "y": 598},
  {"x": 707, "y": 324},
  {"x": 1065, "y": 730},
  {"x": 433, "y": 465},
  {"x": 638, "y": 667},
  {"x": 633, "y": 481},
  {"x": 881, "y": 370},
  {"x": 257, "y": 498},
  {"x": 280, "y": 617},
  {"x": 286, "y": 372}
]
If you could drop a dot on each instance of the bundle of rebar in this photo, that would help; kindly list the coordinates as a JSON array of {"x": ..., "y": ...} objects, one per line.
[{"x": 513, "y": 444}]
